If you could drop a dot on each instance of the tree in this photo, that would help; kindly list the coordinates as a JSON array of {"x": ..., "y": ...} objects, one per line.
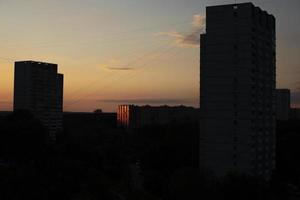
[{"x": 22, "y": 137}]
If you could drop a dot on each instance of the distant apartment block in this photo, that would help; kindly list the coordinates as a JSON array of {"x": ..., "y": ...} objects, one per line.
[
  {"x": 283, "y": 102},
  {"x": 295, "y": 114},
  {"x": 237, "y": 99},
  {"x": 38, "y": 88},
  {"x": 132, "y": 116}
]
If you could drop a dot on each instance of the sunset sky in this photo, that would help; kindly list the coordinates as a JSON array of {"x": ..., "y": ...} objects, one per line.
[{"x": 127, "y": 51}]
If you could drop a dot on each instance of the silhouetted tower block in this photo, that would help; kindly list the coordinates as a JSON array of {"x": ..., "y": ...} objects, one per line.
[
  {"x": 237, "y": 97},
  {"x": 39, "y": 89},
  {"x": 283, "y": 104}
]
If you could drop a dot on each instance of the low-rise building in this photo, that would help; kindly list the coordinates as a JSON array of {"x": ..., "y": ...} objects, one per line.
[
  {"x": 132, "y": 116},
  {"x": 295, "y": 114},
  {"x": 283, "y": 101}
]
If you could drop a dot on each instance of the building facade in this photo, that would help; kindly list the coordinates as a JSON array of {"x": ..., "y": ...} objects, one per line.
[
  {"x": 38, "y": 88},
  {"x": 132, "y": 116},
  {"x": 283, "y": 104},
  {"x": 237, "y": 91}
]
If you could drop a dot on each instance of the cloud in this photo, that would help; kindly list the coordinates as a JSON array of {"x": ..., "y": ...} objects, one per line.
[
  {"x": 120, "y": 68},
  {"x": 192, "y": 38},
  {"x": 198, "y": 21},
  {"x": 112, "y": 64},
  {"x": 147, "y": 101}
]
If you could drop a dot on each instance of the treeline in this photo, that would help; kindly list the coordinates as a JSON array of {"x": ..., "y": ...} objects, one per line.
[{"x": 151, "y": 163}]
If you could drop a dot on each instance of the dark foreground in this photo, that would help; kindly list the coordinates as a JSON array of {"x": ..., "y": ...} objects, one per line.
[{"x": 96, "y": 160}]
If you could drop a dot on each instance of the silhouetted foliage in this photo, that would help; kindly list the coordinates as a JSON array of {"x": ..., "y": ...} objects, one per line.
[
  {"x": 22, "y": 137},
  {"x": 164, "y": 152},
  {"x": 32, "y": 169},
  {"x": 154, "y": 162}
]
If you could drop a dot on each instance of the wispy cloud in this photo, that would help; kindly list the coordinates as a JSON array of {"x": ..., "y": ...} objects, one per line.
[
  {"x": 112, "y": 64},
  {"x": 192, "y": 38},
  {"x": 198, "y": 21},
  {"x": 120, "y": 68},
  {"x": 147, "y": 101}
]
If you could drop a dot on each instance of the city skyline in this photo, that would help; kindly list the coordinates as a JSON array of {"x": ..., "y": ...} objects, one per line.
[
  {"x": 161, "y": 99},
  {"x": 132, "y": 57}
]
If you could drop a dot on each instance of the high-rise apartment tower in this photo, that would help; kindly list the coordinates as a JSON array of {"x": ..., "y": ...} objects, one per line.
[
  {"x": 237, "y": 86},
  {"x": 39, "y": 89}
]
